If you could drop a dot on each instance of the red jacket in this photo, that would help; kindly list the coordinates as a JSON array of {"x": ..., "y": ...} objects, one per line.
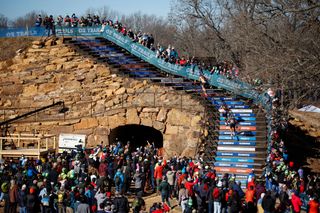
[
  {"x": 313, "y": 206},
  {"x": 158, "y": 172},
  {"x": 296, "y": 203},
  {"x": 189, "y": 187}
]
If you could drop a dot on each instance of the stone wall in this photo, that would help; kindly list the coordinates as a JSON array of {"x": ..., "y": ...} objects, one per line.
[{"x": 97, "y": 99}]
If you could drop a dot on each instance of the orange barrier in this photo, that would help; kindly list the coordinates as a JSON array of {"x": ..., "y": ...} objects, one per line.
[
  {"x": 232, "y": 170},
  {"x": 245, "y": 128}
]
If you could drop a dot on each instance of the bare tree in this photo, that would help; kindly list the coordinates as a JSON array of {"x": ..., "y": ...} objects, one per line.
[
  {"x": 3, "y": 21},
  {"x": 28, "y": 20},
  {"x": 103, "y": 12},
  {"x": 276, "y": 41}
]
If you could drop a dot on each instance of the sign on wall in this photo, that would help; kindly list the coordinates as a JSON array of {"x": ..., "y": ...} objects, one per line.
[{"x": 67, "y": 142}]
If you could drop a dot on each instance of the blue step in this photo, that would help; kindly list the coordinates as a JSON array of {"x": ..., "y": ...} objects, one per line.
[
  {"x": 236, "y": 160},
  {"x": 236, "y": 154},
  {"x": 233, "y": 165},
  {"x": 240, "y": 138},
  {"x": 224, "y": 98},
  {"x": 234, "y": 106},
  {"x": 218, "y": 102},
  {"x": 240, "y": 118},
  {"x": 240, "y": 133},
  {"x": 236, "y": 143},
  {"x": 242, "y": 114},
  {"x": 241, "y": 123}
]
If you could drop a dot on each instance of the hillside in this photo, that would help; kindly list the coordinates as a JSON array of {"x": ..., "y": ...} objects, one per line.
[{"x": 9, "y": 46}]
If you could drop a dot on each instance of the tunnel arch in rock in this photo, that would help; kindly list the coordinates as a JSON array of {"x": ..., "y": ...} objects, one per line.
[{"x": 138, "y": 135}]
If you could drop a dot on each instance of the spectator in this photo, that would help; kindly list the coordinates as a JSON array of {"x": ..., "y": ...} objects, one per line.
[
  {"x": 121, "y": 203},
  {"x": 39, "y": 21},
  {"x": 83, "y": 207},
  {"x": 13, "y": 196},
  {"x": 22, "y": 198},
  {"x": 268, "y": 203},
  {"x": 118, "y": 180},
  {"x": 296, "y": 202},
  {"x": 164, "y": 189},
  {"x": 31, "y": 201}
]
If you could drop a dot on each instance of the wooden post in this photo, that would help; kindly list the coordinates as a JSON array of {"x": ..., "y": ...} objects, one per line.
[
  {"x": 54, "y": 142},
  {"x": 39, "y": 145},
  {"x": 1, "y": 148},
  {"x": 18, "y": 145},
  {"x": 46, "y": 143}
]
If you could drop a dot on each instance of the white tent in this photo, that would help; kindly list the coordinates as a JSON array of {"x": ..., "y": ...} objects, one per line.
[{"x": 310, "y": 108}]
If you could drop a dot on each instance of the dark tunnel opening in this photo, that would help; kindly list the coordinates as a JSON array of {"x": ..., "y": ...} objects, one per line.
[{"x": 138, "y": 135}]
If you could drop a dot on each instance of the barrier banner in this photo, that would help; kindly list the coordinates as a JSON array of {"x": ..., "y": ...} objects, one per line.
[{"x": 21, "y": 31}]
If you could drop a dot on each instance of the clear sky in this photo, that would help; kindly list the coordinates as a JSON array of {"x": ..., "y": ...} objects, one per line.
[{"x": 15, "y": 8}]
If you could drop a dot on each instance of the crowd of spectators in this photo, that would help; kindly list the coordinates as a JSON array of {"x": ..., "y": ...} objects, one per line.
[
  {"x": 101, "y": 179},
  {"x": 88, "y": 181},
  {"x": 283, "y": 178}
]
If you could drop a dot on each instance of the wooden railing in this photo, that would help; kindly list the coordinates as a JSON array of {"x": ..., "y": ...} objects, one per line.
[{"x": 41, "y": 144}]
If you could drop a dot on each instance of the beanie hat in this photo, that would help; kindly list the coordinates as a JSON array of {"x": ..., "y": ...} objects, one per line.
[{"x": 32, "y": 190}]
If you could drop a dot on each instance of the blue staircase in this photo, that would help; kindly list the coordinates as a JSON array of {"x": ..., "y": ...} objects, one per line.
[{"x": 245, "y": 151}]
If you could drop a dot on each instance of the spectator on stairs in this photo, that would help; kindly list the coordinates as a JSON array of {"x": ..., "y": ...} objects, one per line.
[
  {"x": 74, "y": 20},
  {"x": 38, "y": 21},
  {"x": 224, "y": 109},
  {"x": 67, "y": 21},
  {"x": 232, "y": 124}
]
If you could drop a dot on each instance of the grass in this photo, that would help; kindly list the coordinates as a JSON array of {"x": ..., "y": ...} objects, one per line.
[{"x": 9, "y": 46}]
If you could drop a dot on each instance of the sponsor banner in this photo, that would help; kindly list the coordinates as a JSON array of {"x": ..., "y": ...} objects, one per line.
[
  {"x": 223, "y": 98},
  {"x": 243, "y": 114},
  {"x": 240, "y": 118},
  {"x": 244, "y": 133},
  {"x": 67, "y": 142},
  {"x": 233, "y": 165},
  {"x": 20, "y": 32},
  {"x": 242, "y": 160},
  {"x": 235, "y": 154},
  {"x": 241, "y": 138},
  {"x": 241, "y": 123},
  {"x": 242, "y": 128},
  {"x": 237, "y": 143},
  {"x": 239, "y": 149},
  {"x": 228, "y": 102},
  {"x": 232, "y": 170}
]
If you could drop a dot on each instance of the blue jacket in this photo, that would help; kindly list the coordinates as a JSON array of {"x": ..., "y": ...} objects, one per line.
[{"x": 120, "y": 175}]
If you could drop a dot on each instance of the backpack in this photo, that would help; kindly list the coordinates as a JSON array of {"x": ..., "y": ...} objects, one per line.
[
  {"x": 45, "y": 200},
  {"x": 117, "y": 180},
  {"x": 5, "y": 187},
  {"x": 190, "y": 202},
  {"x": 136, "y": 203}
]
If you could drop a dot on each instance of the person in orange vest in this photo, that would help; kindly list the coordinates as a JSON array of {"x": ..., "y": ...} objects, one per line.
[
  {"x": 313, "y": 205},
  {"x": 250, "y": 199}
]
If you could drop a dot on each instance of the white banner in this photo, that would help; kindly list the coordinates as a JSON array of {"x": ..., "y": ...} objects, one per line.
[{"x": 67, "y": 142}]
